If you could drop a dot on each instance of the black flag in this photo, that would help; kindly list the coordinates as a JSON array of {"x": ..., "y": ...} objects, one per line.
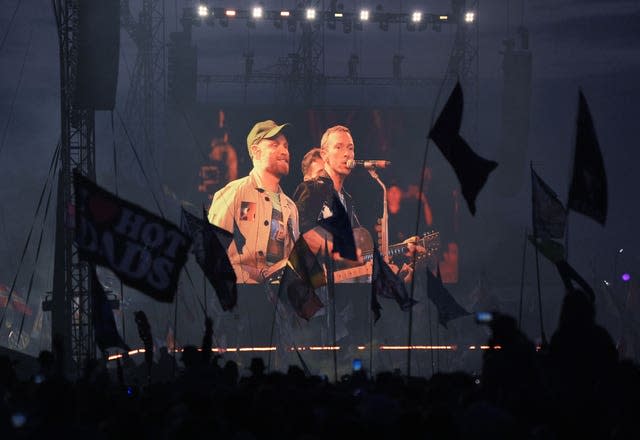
[
  {"x": 387, "y": 284},
  {"x": 569, "y": 274},
  {"x": 448, "y": 308},
  {"x": 335, "y": 219},
  {"x": 144, "y": 250},
  {"x": 104, "y": 325},
  {"x": 471, "y": 169},
  {"x": 302, "y": 275},
  {"x": 588, "y": 190},
  {"x": 209, "y": 248},
  {"x": 549, "y": 215}
]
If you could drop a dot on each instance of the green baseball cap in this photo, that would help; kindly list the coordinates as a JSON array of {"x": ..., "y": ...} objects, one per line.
[{"x": 263, "y": 130}]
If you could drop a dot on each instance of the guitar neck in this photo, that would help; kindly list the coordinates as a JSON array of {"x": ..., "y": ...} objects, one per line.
[
  {"x": 430, "y": 242},
  {"x": 340, "y": 276}
]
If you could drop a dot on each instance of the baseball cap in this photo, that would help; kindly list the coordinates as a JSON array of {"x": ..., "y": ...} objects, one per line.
[{"x": 264, "y": 130}]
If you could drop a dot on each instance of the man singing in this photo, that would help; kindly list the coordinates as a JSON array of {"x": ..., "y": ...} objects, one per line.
[
  {"x": 263, "y": 220},
  {"x": 315, "y": 195}
]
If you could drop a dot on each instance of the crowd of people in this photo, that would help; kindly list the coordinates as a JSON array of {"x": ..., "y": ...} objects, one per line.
[{"x": 575, "y": 387}]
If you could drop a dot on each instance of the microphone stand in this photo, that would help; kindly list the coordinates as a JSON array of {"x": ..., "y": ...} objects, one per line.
[
  {"x": 384, "y": 250},
  {"x": 384, "y": 221}
]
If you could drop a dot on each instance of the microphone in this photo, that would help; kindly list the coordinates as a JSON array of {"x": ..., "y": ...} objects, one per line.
[{"x": 368, "y": 164}]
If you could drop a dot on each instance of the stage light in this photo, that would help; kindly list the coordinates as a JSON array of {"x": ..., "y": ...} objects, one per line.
[
  {"x": 620, "y": 251},
  {"x": 230, "y": 13},
  {"x": 416, "y": 17},
  {"x": 284, "y": 13},
  {"x": 626, "y": 277},
  {"x": 256, "y": 12},
  {"x": 338, "y": 15},
  {"x": 203, "y": 11},
  {"x": 443, "y": 17},
  {"x": 311, "y": 14},
  {"x": 469, "y": 17},
  {"x": 364, "y": 15}
]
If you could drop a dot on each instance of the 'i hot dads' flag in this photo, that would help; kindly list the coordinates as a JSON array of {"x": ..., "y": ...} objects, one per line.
[{"x": 144, "y": 250}]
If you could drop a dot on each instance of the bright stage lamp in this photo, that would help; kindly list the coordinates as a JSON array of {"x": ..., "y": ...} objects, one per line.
[
  {"x": 203, "y": 11},
  {"x": 311, "y": 14}
]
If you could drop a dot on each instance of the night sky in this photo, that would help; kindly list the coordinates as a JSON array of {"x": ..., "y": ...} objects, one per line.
[{"x": 593, "y": 44}]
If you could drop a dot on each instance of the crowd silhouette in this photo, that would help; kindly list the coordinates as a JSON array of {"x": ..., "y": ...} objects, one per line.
[{"x": 574, "y": 387}]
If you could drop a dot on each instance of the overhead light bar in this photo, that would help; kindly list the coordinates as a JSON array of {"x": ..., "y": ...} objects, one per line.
[
  {"x": 284, "y": 13},
  {"x": 338, "y": 15},
  {"x": 230, "y": 12}
]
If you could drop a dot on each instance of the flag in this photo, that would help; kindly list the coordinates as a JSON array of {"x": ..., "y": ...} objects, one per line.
[
  {"x": 549, "y": 215},
  {"x": 387, "y": 284},
  {"x": 588, "y": 189},
  {"x": 335, "y": 219},
  {"x": 302, "y": 275},
  {"x": 550, "y": 249},
  {"x": 104, "y": 325},
  {"x": 471, "y": 169},
  {"x": 144, "y": 250},
  {"x": 144, "y": 331},
  {"x": 448, "y": 308},
  {"x": 211, "y": 256},
  {"x": 569, "y": 274}
]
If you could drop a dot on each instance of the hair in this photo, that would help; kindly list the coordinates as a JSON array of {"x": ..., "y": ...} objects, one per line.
[
  {"x": 330, "y": 130},
  {"x": 311, "y": 156}
]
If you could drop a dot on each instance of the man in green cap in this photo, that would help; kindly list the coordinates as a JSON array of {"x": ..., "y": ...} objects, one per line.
[{"x": 263, "y": 220}]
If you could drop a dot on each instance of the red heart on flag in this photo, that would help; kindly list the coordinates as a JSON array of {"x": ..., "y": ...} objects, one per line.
[{"x": 103, "y": 209}]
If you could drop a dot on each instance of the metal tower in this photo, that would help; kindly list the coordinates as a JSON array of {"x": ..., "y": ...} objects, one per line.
[
  {"x": 144, "y": 105},
  {"x": 70, "y": 304},
  {"x": 464, "y": 59}
]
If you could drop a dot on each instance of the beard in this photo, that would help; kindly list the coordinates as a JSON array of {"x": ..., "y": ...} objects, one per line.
[{"x": 278, "y": 168}]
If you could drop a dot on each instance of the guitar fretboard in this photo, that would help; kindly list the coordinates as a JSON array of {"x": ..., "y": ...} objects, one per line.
[{"x": 430, "y": 242}]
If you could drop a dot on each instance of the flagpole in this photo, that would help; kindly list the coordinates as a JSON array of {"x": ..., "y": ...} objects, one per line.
[
  {"x": 535, "y": 239},
  {"x": 524, "y": 255},
  {"x": 273, "y": 325},
  {"x": 175, "y": 335},
  {"x": 429, "y": 310},
  {"x": 124, "y": 333},
  {"x": 371, "y": 342},
  {"x": 332, "y": 300},
  {"x": 204, "y": 293}
]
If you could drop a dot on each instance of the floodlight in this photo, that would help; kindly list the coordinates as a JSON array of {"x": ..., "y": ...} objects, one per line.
[
  {"x": 311, "y": 14},
  {"x": 203, "y": 11}
]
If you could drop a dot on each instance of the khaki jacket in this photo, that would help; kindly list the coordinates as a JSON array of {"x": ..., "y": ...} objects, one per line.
[{"x": 244, "y": 209}]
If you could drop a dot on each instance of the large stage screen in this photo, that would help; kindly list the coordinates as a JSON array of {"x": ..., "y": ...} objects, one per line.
[{"x": 208, "y": 149}]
